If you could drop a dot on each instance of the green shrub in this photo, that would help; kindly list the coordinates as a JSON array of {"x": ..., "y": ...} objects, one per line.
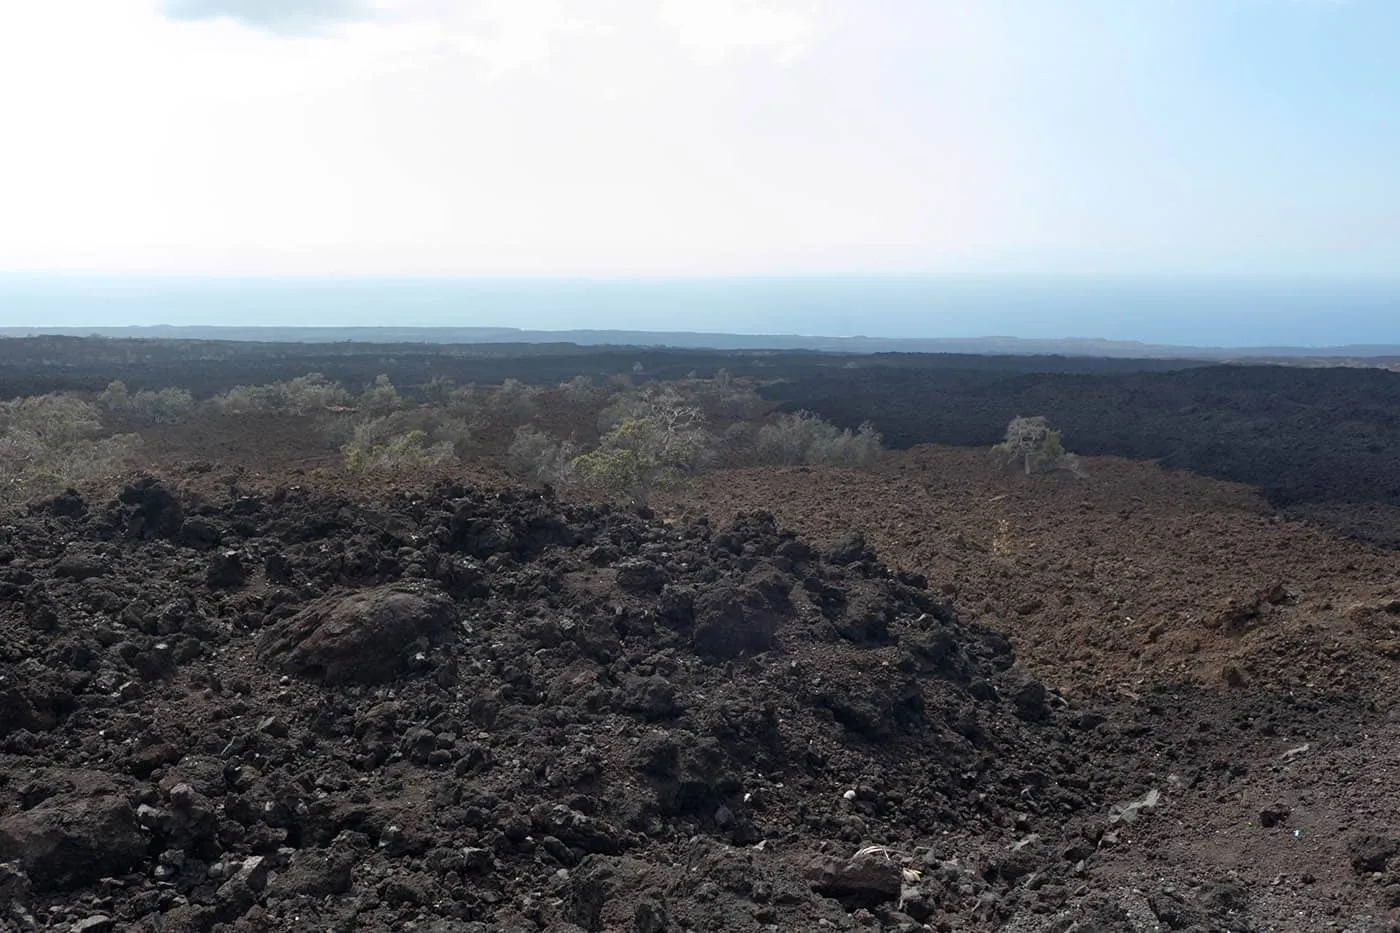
[
  {"x": 438, "y": 390},
  {"x": 719, "y": 398},
  {"x": 115, "y": 397},
  {"x": 300, "y": 396},
  {"x": 380, "y": 397},
  {"x": 723, "y": 397},
  {"x": 536, "y": 457},
  {"x": 1033, "y": 444},
  {"x": 406, "y": 451},
  {"x": 50, "y": 442},
  {"x": 163, "y": 406},
  {"x": 804, "y": 438},
  {"x": 663, "y": 442},
  {"x": 437, "y": 426},
  {"x": 512, "y": 403}
]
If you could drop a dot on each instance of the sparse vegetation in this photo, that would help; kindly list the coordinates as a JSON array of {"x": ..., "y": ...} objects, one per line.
[
  {"x": 655, "y": 440},
  {"x": 380, "y": 397},
  {"x": 409, "y": 450},
  {"x": 647, "y": 437},
  {"x": 410, "y": 438},
  {"x": 580, "y": 390},
  {"x": 49, "y": 442},
  {"x": 163, "y": 406},
  {"x": 438, "y": 390},
  {"x": 536, "y": 457},
  {"x": 511, "y": 404},
  {"x": 1033, "y": 444},
  {"x": 804, "y": 438},
  {"x": 300, "y": 396}
]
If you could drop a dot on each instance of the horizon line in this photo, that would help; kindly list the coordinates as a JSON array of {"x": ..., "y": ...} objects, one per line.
[{"x": 655, "y": 278}]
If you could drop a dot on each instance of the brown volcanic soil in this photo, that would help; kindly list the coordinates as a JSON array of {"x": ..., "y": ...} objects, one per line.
[
  {"x": 1113, "y": 587},
  {"x": 1133, "y": 576},
  {"x": 249, "y": 707}
]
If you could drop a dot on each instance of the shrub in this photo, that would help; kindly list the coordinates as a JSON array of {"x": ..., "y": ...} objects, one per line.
[
  {"x": 1032, "y": 443},
  {"x": 718, "y": 398},
  {"x": 513, "y": 402},
  {"x": 380, "y": 397},
  {"x": 50, "y": 442},
  {"x": 537, "y": 457},
  {"x": 804, "y": 438},
  {"x": 625, "y": 407},
  {"x": 438, "y": 390},
  {"x": 437, "y": 426},
  {"x": 467, "y": 401},
  {"x": 405, "y": 440},
  {"x": 579, "y": 390},
  {"x": 722, "y": 397},
  {"x": 300, "y": 396},
  {"x": 164, "y": 406},
  {"x": 660, "y": 444},
  {"x": 115, "y": 397},
  {"x": 740, "y": 436},
  {"x": 403, "y": 452}
]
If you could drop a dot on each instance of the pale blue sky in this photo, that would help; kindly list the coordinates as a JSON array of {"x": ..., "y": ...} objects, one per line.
[{"x": 700, "y": 137}]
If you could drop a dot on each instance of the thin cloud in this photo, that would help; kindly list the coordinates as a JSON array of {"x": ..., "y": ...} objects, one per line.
[
  {"x": 278, "y": 16},
  {"x": 713, "y": 30},
  {"x": 507, "y": 34}
]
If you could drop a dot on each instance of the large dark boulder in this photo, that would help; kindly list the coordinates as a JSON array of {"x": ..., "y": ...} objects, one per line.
[
  {"x": 69, "y": 842},
  {"x": 367, "y": 637},
  {"x": 154, "y": 512},
  {"x": 735, "y": 620}
]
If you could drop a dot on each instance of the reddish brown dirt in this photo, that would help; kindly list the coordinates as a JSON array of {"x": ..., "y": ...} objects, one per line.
[
  {"x": 262, "y": 445},
  {"x": 1133, "y": 576},
  {"x": 1111, "y": 587}
]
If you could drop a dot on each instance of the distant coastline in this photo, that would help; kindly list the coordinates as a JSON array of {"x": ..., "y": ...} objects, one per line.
[
  {"x": 988, "y": 346},
  {"x": 1098, "y": 317}
]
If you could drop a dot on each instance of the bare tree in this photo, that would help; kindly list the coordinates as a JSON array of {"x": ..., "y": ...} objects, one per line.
[{"x": 1034, "y": 444}]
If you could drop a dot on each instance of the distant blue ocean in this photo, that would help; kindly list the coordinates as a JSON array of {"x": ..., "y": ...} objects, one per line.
[{"x": 1182, "y": 313}]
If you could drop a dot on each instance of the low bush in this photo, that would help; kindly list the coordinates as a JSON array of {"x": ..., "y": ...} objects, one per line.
[
  {"x": 536, "y": 457},
  {"x": 437, "y": 427},
  {"x": 380, "y": 397},
  {"x": 50, "y": 442},
  {"x": 1032, "y": 444},
  {"x": 659, "y": 443},
  {"x": 300, "y": 396},
  {"x": 804, "y": 438},
  {"x": 438, "y": 390},
  {"x": 406, "y": 451},
  {"x": 581, "y": 391},
  {"x": 511, "y": 404},
  {"x": 163, "y": 406}
]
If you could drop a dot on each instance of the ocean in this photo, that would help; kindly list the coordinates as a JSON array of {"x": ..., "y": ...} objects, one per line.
[{"x": 1218, "y": 313}]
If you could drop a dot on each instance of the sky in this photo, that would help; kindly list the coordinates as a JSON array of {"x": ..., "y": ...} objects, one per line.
[{"x": 697, "y": 138}]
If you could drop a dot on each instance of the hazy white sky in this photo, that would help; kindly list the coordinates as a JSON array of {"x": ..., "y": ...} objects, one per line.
[{"x": 699, "y": 137}]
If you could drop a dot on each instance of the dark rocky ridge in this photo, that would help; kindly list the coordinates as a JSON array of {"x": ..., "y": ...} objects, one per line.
[{"x": 480, "y": 711}]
